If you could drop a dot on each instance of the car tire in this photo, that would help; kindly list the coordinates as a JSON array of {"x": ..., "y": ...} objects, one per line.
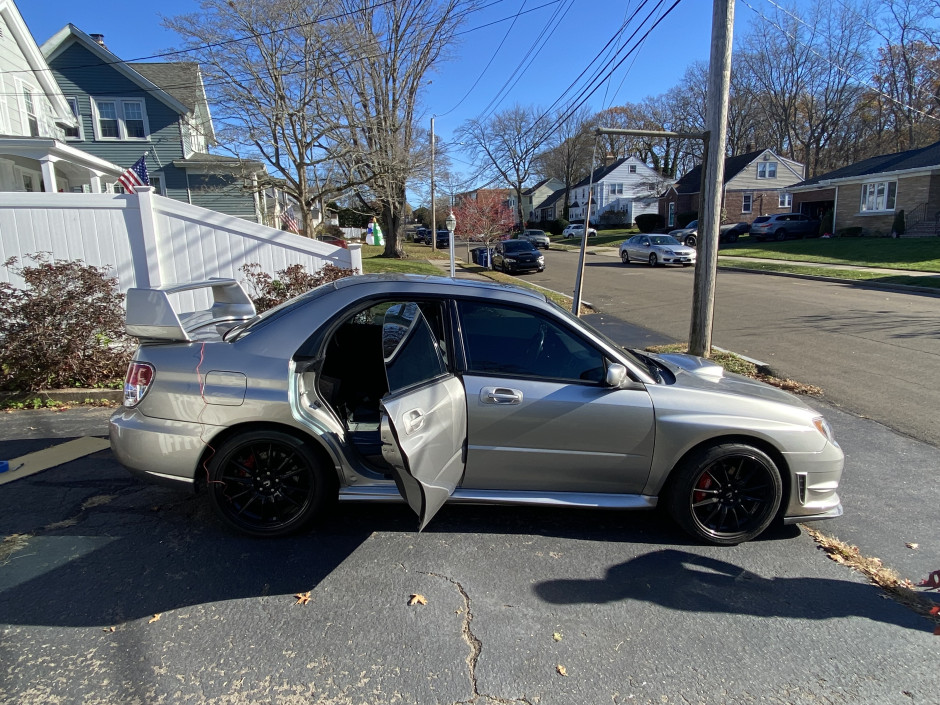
[
  {"x": 725, "y": 493},
  {"x": 625, "y": 257},
  {"x": 268, "y": 483},
  {"x": 732, "y": 237},
  {"x": 780, "y": 235},
  {"x": 654, "y": 260},
  {"x": 690, "y": 241}
]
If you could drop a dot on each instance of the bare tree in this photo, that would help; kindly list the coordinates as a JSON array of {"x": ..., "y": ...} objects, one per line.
[
  {"x": 569, "y": 152},
  {"x": 505, "y": 145},
  {"x": 382, "y": 53},
  {"x": 264, "y": 64}
]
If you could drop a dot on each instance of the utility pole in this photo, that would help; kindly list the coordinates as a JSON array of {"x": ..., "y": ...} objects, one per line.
[
  {"x": 433, "y": 214},
  {"x": 713, "y": 175}
]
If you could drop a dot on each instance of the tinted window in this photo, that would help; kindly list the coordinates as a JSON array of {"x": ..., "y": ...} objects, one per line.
[
  {"x": 517, "y": 246},
  {"x": 512, "y": 342},
  {"x": 762, "y": 219},
  {"x": 409, "y": 347}
]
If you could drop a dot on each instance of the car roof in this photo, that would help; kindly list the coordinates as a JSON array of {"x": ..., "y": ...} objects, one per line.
[{"x": 429, "y": 284}]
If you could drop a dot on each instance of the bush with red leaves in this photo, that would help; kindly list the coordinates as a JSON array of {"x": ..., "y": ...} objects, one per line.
[
  {"x": 65, "y": 329},
  {"x": 267, "y": 291}
]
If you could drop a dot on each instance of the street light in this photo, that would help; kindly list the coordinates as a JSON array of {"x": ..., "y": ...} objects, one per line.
[{"x": 451, "y": 224}]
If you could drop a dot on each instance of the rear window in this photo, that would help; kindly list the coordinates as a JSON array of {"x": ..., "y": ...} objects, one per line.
[{"x": 762, "y": 219}]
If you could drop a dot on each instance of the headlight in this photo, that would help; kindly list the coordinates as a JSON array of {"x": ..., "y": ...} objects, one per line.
[
  {"x": 541, "y": 258},
  {"x": 825, "y": 429},
  {"x": 669, "y": 252}
]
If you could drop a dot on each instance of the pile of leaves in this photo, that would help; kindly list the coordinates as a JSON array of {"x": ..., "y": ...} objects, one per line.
[
  {"x": 64, "y": 329},
  {"x": 267, "y": 291}
]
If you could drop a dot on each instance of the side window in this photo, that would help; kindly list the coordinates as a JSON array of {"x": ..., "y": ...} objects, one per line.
[
  {"x": 410, "y": 348},
  {"x": 513, "y": 342}
]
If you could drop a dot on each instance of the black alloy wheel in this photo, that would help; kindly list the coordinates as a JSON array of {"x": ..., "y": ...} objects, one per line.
[
  {"x": 268, "y": 483},
  {"x": 690, "y": 241},
  {"x": 726, "y": 494},
  {"x": 780, "y": 235},
  {"x": 654, "y": 260}
]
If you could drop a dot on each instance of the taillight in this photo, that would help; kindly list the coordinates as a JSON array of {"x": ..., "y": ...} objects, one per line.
[{"x": 137, "y": 382}]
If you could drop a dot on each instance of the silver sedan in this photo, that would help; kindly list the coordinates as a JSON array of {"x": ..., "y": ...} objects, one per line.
[
  {"x": 432, "y": 390},
  {"x": 656, "y": 250}
]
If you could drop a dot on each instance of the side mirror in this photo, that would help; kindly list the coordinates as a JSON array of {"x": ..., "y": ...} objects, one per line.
[{"x": 616, "y": 374}]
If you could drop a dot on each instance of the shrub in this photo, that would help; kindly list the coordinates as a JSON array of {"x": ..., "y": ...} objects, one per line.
[
  {"x": 555, "y": 227},
  {"x": 648, "y": 222},
  {"x": 683, "y": 219},
  {"x": 825, "y": 222},
  {"x": 613, "y": 218},
  {"x": 66, "y": 329},
  {"x": 897, "y": 227},
  {"x": 330, "y": 229},
  {"x": 267, "y": 291}
]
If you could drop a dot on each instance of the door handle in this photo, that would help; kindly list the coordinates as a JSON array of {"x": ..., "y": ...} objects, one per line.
[
  {"x": 413, "y": 421},
  {"x": 500, "y": 395}
]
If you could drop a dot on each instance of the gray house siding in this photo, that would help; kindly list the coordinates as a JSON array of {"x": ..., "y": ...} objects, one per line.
[
  {"x": 81, "y": 75},
  {"x": 221, "y": 192}
]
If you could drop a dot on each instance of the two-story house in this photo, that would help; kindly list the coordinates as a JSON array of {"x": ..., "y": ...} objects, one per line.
[
  {"x": 35, "y": 118},
  {"x": 534, "y": 196},
  {"x": 755, "y": 183},
  {"x": 127, "y": 110},
  {"x": 622, "y": 190}
]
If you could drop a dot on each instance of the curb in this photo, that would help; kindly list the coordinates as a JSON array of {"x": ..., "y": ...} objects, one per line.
[{"x": 901, "y": 288}]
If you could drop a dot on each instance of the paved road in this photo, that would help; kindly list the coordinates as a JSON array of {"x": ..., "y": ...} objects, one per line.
[
  {"x": 631, "y": 610},
  {"x": 875, "y": 353}
]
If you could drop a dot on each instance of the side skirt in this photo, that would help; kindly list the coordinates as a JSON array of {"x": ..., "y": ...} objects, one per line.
[{"x": 595, "y": 500}]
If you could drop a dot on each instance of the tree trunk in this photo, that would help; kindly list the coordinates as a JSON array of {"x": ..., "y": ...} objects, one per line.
[{"x": 392, "y": 228}]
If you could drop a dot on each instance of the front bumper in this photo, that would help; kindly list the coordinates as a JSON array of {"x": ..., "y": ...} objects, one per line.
[
  {"x": 159, "y": 450},
  {"x": 816, "y": 476}
]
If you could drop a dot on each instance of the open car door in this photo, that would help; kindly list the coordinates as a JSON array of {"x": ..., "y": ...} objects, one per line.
[{"x": 424, "y": 416}]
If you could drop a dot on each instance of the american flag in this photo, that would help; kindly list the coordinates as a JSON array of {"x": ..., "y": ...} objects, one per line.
[
  {"x": 290, "y": 222},
  {"x": 135, "y": 175}
]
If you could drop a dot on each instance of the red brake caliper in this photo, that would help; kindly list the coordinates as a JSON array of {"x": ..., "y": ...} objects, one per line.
[{"x": 704, "y": 482}]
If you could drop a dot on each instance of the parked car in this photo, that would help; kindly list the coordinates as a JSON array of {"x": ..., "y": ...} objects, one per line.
[
  {"x": 442, "y": 241},
  {"x": 577, "y": 230},
  {"x": 537, "y": 237},
  {"x": 379, "y": 386},
  {"x": 516, "y": 256},
  {"x": 656, "y": 250},
  {"x": 332, "y": 240},
  {"x": 687, "y": 235},
  {"x": 783, "y": 225},
  {"x": 730, "y": 232},
  {"x": 423, "y": 235}
]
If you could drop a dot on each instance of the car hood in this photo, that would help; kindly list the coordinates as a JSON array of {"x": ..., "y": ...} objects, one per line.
[
  {"x": 677, "y": 249},
  {"x": 698, "y": 373}
]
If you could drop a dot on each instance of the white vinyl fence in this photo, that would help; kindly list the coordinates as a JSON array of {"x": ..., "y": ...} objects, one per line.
[{"x": 147, "y": 240}]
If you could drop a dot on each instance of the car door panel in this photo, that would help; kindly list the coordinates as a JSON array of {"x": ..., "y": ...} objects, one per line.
[
  {"x": 422, "y": 433},
  {"x": 556, "y": 436}
]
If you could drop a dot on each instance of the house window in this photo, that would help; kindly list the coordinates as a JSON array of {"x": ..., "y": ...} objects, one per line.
[
  {"x": 120, "y": 119},
  {"x": 879, "y": 196},
  {"x": 74, "y": 133},
  {"x": 633, "y": 168},
  {"x": 747, "y": 200},
  {"x": 672, "y": 215},
  {"x": 786, "y": 200},
  {"x": 616, "y": 189},
  {"x": 767, "y": 170},
  {"x": 30, "y": 108}
]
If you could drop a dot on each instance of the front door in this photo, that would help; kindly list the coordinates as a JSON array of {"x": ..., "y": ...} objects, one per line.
[{"x": 424, "y": 416}]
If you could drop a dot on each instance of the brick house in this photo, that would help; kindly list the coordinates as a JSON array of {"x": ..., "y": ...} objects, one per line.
[
  {"x": 867, "y": 194},
  {"x": 756, "y": 183}
]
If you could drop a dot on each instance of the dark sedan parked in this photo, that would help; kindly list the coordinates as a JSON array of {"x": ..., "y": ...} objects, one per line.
[{"x": 517, "y": 256}]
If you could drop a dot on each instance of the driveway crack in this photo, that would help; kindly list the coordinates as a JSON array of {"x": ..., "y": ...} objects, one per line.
[{"x": 476, "y": 648}]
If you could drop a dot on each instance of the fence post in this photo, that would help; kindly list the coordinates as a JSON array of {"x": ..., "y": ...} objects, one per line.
[
  {"x": 148, "y": 226},
  {"x": 355, "y": 256}
]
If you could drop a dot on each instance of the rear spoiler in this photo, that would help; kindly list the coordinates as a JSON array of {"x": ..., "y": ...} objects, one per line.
[{"x": 151, "y": 316}]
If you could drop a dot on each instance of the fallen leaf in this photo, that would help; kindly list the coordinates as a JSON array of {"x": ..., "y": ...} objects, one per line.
[
  {"x": 932, "y": 582},
  {"x": 417, "y": 600},
  {"x": 108, "y": 629},
  {"x": 561, "y": 670},
  {"x": 935, "y": 611},
  {"x": 155, "y": 618},
  {"x": 302, "y": 598},
  {"x": 913, "y": 546},
  {"x": 556, "y": 636}
]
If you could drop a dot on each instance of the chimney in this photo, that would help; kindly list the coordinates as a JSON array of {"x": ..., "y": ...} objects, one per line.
[
  {"x": 749, "y": 147},
  {"x": 99, "y": 40},
  {"x": 609, "y": 159}
]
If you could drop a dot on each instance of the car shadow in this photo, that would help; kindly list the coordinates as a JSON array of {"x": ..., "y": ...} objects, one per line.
[{"x": 688, "y": 582}]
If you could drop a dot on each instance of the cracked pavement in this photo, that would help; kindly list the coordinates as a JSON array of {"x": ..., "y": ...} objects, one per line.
[{"x": 642, "y": 614}]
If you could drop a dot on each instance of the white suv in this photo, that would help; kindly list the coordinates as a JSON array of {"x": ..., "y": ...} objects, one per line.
[{"x": 577, "y": 230}]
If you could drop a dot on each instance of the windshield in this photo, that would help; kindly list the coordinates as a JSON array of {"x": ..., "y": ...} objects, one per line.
[
  {"x": 517, "y": 246},
  {"x": 762, "y": 219},
  {"x": 663, "y": 240}
]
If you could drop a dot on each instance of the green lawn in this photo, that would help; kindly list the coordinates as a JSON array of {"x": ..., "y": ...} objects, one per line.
[
  {"x": 847, "y": 274},
  {"x": 416, "y": 262},
  {"x": 919, "y": 254}
]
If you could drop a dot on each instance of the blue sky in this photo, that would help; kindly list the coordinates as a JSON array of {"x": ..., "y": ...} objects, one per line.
[{"x": 133, "y": 31}]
